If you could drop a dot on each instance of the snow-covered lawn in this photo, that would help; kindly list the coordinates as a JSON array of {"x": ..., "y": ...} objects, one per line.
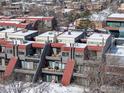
[{"x": 20, "y": 87}]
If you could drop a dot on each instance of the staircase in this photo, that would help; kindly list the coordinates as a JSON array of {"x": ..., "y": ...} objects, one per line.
[
  {"x": 10, "y": 67},
  {"x": 42, "y": 62},
  {"x": 68, "y": 72}
]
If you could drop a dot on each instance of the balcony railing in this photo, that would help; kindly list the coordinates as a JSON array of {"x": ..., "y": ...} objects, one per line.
[
  {"x": 44, "y": 70},
  {"x": 53, "y": 58},
  {"x": 33, "y": 57}
]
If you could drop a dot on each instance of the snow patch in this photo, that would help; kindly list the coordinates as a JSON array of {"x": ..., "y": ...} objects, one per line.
[{"x": 46, "y": 87}]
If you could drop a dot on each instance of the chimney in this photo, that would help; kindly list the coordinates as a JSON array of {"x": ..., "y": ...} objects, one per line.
[{"x": 24, "y": 30}]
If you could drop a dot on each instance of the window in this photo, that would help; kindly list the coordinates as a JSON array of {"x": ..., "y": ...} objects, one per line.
[
  {"x": 86, "y": 69},
  {"x": 21, "y": 53},
  {"x": 93, "y": 55},
  {"x": 50, "y": 41},
  {"x": 1, "y": 62},
  {"x": 65, "y": 54},
  {"x": 109, "y": 24},
  {"x": 56, "y": 65},
  {"x": 79, "y": 68},
  {"x": 6, "y": 62},
  {"x": 12, "y": 38},
  {"x": 38, "y": 51},
  {"x": 50, "y": 64},
  {"x": 114, "y": 24},
  {"x": 78, "y": 55},
  {"x": 59, "y": 40},
  {"x": 35, "y": 65},
  {"x": 40, "y": 40},
  {"x": 19, "y": 39},
  {"x": 9, "y": 51},
  {"x": 94, "y": 42},
  {"x": 3, "y": 49},
  {"x": 63, "y": 66},
  {"x": 48, "y": 78},
  {"x": 122, "y": 24}
]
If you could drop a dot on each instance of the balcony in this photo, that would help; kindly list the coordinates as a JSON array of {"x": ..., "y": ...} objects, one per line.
[
  {"x": 24, "y": 71},
  {"x": 33, "y": 57},
  {"x": 60, "y": 72},
  {"x": 53, "y": 58},
  {"x": 44, "y": 70},
  {"x": 52, "y": 71}
]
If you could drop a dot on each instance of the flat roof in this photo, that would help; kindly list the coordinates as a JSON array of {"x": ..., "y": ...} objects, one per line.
[
  {"x": 9, "y": 30},
  {"x": 73, "y": 34},
  {"x": 116, "y": 15},
  {"x": 11, "y": 21},
  {"x": 39, "y": 17},
  {"x": 99, "y": 36},
  {"x": 21, "y": 33},
  {"x": 20, "y": 42},
  {"x": 49, "y": 34}
]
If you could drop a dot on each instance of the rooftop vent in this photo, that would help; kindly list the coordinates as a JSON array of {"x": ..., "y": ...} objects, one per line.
[
  {"x": 69, "y": 32},
  {"x": 50, "y": 33},
  {"x": 24, "y": 30}
]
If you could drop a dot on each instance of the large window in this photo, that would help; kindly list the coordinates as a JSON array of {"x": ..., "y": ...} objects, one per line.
[
  {"x": 114, "y": 24},
  {"x": 95, "y": 42},
  {"x": 109, "y": 23}
]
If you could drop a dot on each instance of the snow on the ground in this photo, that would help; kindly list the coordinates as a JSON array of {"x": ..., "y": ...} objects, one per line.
[{"x": 20, "y": 87}]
